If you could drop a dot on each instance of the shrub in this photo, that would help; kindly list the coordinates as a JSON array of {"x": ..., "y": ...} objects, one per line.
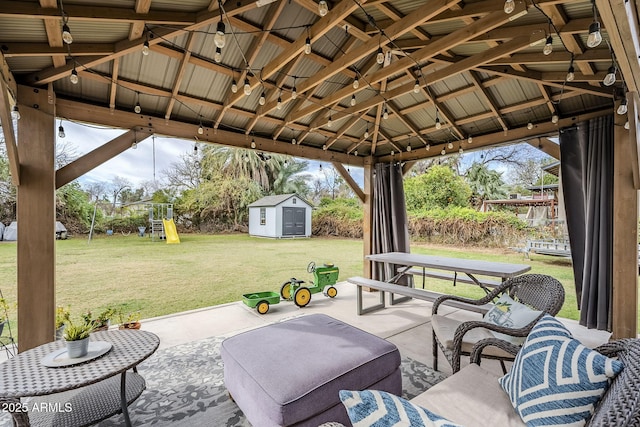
[
  {"x": 439, "y": 187},
  {"x": 339, "y": 217}
]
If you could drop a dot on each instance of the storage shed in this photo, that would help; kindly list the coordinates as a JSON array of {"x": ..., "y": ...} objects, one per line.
[{"x": 284, "y": 215}]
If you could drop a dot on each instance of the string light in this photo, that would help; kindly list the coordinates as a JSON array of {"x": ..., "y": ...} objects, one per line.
[
  {"x": 438, "y": 124},
  {"x": 428, "y": 147},
  {"x": 356, "y": 83},
  {"x": 595, "y": 37},
  {"x": 263, "y": 99},
  {"x": 324, "y": 147},
  {"x": 247, "y": 87},
  {"x": 61, "y": 133},
  {"x": 571, "y": 72},
  {"x": 509, "y": 6},
  {"x": 234, "y": 86},
  {"x": 555, "y": 118},
  {"x": 307, "y": 46},
  {"x": 74, "y": 76},
  {"x": 408, "y": 146},
  {"x": 529, "y": 125},
  {"x": 219, "y": 38},
  {"x": 137, "y": 109},
  {"x": 66, "y": 33},
  {"x": 443, "y": 152},
  {"x": 450, "y": 145},
  {"x": 200, "y": 129},
  {"x": 622, "y": 108},
  {"x": 416, "y": 87},
  {"x": 330, "y": 122},
  {"x": 294, "y": 92},
  {"x": 145, "y": 48},
  {"x": 385, "y": 113},
  {"x": 469, "y": 139},
  {"x": 15, "y": 113},
  {"x": 279, "y": 104},
  {"x": 323, "y": 8},
  {"x": 626, "y": 125},
  {"x": 355, "y": 153},
  {"x": 366, "y": 132},
  {"x": 218, "y": 55},
  {"x": 353, "y": 100},
  {"x": 610, "y": 78},
  {"x": 380, "y": 56},
  {"x": 460, "y": 150},
  {"x": 134, "y": 145},
  {"x": 253, "y": 143},
  {"x": 548, "y": 47}
]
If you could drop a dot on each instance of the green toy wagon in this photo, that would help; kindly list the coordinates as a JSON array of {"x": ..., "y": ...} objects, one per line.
[{"x": 261, "y": 300}]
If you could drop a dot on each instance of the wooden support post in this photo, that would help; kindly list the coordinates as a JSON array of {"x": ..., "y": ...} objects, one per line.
[
  {"x": 36, "y": 219},
  {"x": 367, "y": 220},
  {"x": 625, "y": 231}
]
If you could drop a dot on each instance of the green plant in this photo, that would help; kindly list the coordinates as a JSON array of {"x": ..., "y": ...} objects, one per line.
[
  {"x": 101, "y": 319},
  {"x": 76, "y": 332},
  {"x": 4, "y": 307},
  {"x": 132, "y": 317},
  {"x": 62, "y": 316}
]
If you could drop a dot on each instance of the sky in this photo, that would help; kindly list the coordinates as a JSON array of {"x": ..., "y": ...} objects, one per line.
[{"x": 138, "y": 165}]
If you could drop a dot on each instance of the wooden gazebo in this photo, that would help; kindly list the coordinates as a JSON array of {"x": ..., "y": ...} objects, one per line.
[{"x": 352, "y": 82}]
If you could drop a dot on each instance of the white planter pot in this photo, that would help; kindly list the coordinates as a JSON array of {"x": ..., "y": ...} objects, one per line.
[{"x": 78, "y": 348}]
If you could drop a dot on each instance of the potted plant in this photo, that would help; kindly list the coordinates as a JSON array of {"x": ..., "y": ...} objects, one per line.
[
  {"x": 100, "y": 322},
  {"x": 129, "y": 321},
  {"x": 62, "y": 317},
  {"x": 77, "y": 338}
]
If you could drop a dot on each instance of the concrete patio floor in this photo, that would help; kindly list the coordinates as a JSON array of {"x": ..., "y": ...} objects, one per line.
[{"x": 407, "y": 324}]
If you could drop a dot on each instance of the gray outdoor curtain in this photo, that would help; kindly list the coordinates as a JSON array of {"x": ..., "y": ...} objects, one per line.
[
  {"x": 587, "y": 179},
  {"x": 390, "y": 231}
]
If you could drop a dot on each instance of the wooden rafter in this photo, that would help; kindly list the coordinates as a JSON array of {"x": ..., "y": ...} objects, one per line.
[
  {"x": 137, "y": 28},
  {"x": 488, "y": 99},
  {"x": 53, "y": 27},
  {"x": 180, "y": 75},
  {"x": 9, "y": 133}
]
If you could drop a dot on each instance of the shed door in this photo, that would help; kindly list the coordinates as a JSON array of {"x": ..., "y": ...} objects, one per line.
[{"x": 293, "y": 221}]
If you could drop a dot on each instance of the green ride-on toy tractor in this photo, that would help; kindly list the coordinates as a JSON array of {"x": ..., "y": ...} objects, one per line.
[{"x": 324, "y": 279}]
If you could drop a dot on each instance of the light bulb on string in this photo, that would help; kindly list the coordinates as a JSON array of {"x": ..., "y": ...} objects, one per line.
[
  {"x": 15, "y": 113},
  {"x": 253, "y": 143},
  {"x": 247, "y": 87},
  {"x": 450, "y": 145},
  {"x": 626, "y": 125},
  {"x": 366, "y": 133},
  {"x": 408, "y": 147},
  {"x": 263, "y": 99},
  {"x": 61, "y": 133},
  {"x": 219, "y": 37},
  {"x": 548, "y": 47},
  {"x": 307, "y": 46},
  {"x": 145, "y": 48},
  {"x": 234, "y": 86},
  {"x": 427, "y": 147},
  {"x": 529, "y": 125},
  {"x": 74, "y": 76},
  {"x": 555, "y": 118},
  {"x": 571, "y": 73},
  {"x": 200, "y": 129},
  {"x": 279, "y": 104},
  {"x": 469, "y": 139},
  {"x": 416, "y": 87},
  {"x": 595, "y": 37},
  {"x": 218, "y": 55},
  {"x": 66, "y": 34},
  {"x": 438, "y": 124},
  {"x": 355, "y": 153},
  {"x": 323, "y": 8},
  {"x": 356, "y": 83},
  {"x": 138, "y": 108},
  {"x": 353, "y": 100},
  {"x": 622, "y": 108},
  {"x": 385, "y": 112},
  {"x": 380, "y": 56},
  {"x": 134, "y": 145},
  {"x": 443, "y": 152},
  {"x": 610, "y": 78},
  {"x": 329, "y": 122},
  {"x": 324, "y": 147},
  {"x": 509, "y": 6},
  {"x": 294, "y": 93},
  {"x": 460, "y": 150}
]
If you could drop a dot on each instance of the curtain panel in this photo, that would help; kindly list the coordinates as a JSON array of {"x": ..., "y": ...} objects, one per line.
[{"x": 587, "y": 178}]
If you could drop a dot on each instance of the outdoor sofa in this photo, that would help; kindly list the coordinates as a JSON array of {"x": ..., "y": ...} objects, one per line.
[{"x": 475, "y": 397}]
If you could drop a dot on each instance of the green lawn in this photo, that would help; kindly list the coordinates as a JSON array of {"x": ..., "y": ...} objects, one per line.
[{"x": 156, "y": 278}]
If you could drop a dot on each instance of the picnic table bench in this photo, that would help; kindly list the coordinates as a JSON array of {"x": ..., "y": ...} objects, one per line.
[{"x": 455, "y": 277}]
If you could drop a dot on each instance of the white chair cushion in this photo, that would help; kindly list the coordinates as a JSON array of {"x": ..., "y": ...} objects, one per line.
[{"x": 445, "y": 329}]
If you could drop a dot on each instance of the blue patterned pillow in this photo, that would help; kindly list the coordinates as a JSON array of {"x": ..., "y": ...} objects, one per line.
[
  {"x": 555, "y": 380},
  {"x": 381, "y": 409}
]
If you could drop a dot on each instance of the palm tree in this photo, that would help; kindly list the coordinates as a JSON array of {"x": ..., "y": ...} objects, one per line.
[{"x": 486, "y": 184}]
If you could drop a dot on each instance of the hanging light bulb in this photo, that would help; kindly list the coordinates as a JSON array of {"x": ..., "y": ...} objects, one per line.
[
  {"x": 380, "y": 56},
  {"x": 137, "y": 109},
  {"x": 134, "y": 145},
  {"x": 324, "y": 147},
  {"x": 408, "y": 147},
  {"x": 263, "y": 99},
  {"x": 330, "y": 122},
  {"x": 247, "y": 87},
  {"x": 450, "y": 145},
  {"x": 416, "y": 87},
  {"x": 294, "y": 93},
  {"x": 145, "y": 48},
  {"x": 509, "y": 6},
  {"x": 200, "y": 129},
  {"x": 253, "y": 143},
  {"x": 385, "y": 113},
  {"x": 571, "y": 73},
  {"x": 460, "y": 150},
  {"x": 293, "y": 141},
  {"x": 355, "y": 153},
  {"x": 74, "y": 76},
  {"x": 307, "y": 46},
  {"x": 366, "y": 133},
  {"x": 595, "y": 37},
  {"x": 195, "y": 148},
  {"x": 428, "y": 147},
  {"x": 234, "y": 86},
  {"x": 622, "y": 108},
  {"x": 61, "y": 133},
  {"x": 548, "y": 47},
  {"x": 279, "y": 104},
  {"x": 443, "y": 152},
  {"x": 555, "y": 118},
  {"x": 470, "y": 139},
  {"x": 438, "y": 124},
  {"x": 356, "y": 83},
  {"x": 610, "y": 78},
  {"x": 323, "y": 8},
  {"x": 66, "y": 34},
  {"x": 320, "y": 168},
  {"x": 218, "y": 55},
  {"x": 15, "y": 113},
  {"x": 529, "y": 125},
  {"x": 626, "y": 125},
  {"x": 219, "y": 38},
  {"x": 353, "y": 100}
]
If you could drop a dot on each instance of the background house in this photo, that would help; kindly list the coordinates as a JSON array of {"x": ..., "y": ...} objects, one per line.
[{"x": 284, "y": 215}]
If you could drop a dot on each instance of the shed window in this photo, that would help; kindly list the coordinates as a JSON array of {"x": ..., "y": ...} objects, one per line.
[
  {"x": 294, "y": 200},
  {"x": 263, "y": 216}
]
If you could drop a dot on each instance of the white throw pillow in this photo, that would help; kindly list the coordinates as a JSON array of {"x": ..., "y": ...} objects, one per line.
[{"x": 510, "y": 314}]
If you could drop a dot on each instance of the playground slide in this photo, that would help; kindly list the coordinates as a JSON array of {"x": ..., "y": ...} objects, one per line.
[{"x": 170, "y": 231}]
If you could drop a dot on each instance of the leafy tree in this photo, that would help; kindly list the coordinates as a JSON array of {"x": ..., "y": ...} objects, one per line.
[
  {"x": 438, "y": 187},
  {"x": 485, "y": 184}
]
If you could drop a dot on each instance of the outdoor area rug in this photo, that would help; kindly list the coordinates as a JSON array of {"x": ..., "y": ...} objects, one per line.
[{"x": 185, "y": 387}]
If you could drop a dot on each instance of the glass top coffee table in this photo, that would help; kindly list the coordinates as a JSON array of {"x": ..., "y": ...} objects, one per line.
[{"x": 80, "y": 394}]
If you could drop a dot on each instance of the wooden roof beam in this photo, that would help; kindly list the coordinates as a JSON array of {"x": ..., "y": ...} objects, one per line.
[
  {"x": 488, "y": 99},
  {"x": 412, "y": 127},
  {"x": 53, "y": 28},
  {"x": 180, "y": 75},
  {"x": 349, "y": 180},
  {"x": 114, "y": 84},
  {"x": 9, "y": 133},
  {"x": 137, "y": 28}
]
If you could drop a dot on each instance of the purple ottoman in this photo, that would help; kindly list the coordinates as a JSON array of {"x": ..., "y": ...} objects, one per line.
[{"x": 290, "y": 373}]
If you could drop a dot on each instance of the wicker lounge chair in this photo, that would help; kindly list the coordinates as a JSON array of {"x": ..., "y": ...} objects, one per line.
[{"x": 539, "y": 292}]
